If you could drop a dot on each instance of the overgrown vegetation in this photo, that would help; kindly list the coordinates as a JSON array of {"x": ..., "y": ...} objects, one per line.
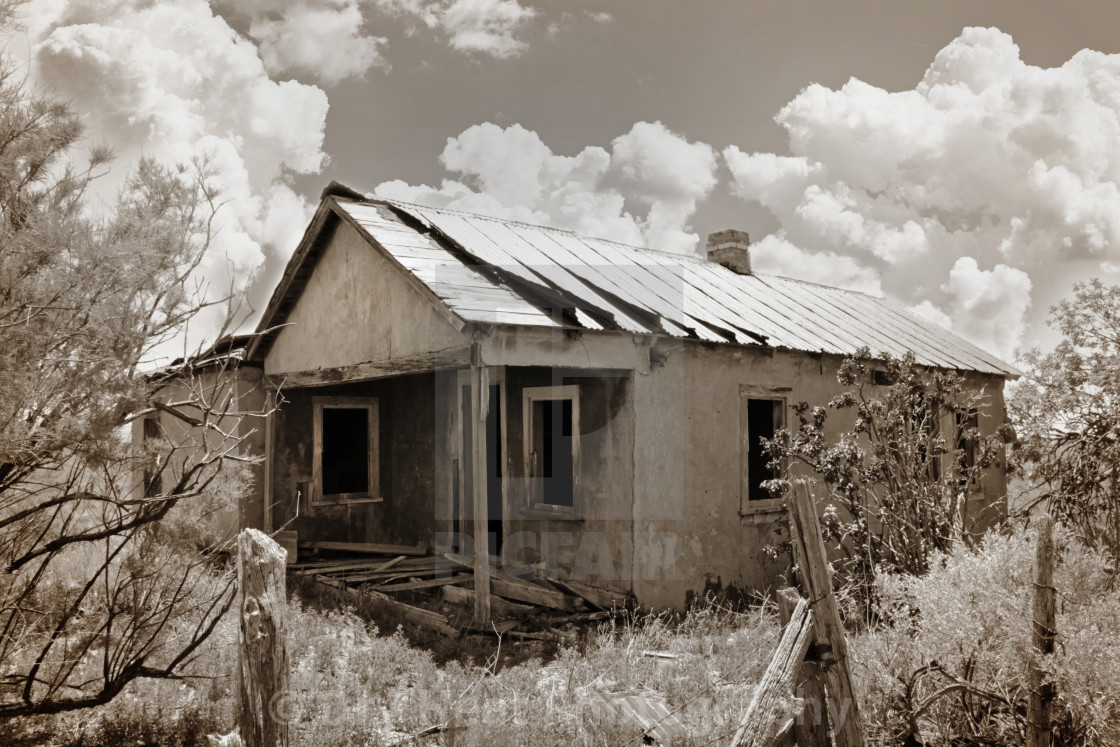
[
  {"x": 947, "y": 665},
  {"x": 1067, "y": 412},
  {"x": 898, "y": 479},
  {"x": 102, "y": 580}
]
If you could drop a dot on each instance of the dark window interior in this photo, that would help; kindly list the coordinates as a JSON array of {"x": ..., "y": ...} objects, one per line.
[
  {"x": 345, "y": 450},
  {"x": 763, "y": 419},
  {"x": 552, "y": 442}
]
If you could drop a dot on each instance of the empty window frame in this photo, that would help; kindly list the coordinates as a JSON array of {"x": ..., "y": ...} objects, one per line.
[
  {"x": 345, "y": 468},
  {"x": 551, "y": 436},
  {"x": 760, "y": 418}
]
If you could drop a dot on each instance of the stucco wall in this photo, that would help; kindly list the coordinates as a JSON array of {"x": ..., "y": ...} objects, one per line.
[
  {"x": 690, "y": 534},
  {"x": 356, "y": 308}
]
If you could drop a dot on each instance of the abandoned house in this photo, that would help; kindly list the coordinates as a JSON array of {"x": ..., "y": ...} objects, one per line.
[{"x": 596, "y": 408}]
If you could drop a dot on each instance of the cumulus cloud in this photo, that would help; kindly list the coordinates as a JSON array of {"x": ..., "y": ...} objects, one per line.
[
  {"x": 323, "y": 39},
  {"x": 958, "y": 191},
  {"x": 172, "y": 80},
  {"x": 643, "y": 191},
  {"x": 989, "y": 305},
  {"x": 775, "y": 255},
  {"x": 471, "y": 26}
]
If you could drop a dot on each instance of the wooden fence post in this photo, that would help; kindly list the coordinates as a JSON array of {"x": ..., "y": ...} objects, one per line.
[
  {"x": 766, "y": 723},
  {"x": 1042, "y": 638},
  {"x": 812, "y": 562},
  {"x": 811, "y": 728},
  {"x": 261, "y": 648}
]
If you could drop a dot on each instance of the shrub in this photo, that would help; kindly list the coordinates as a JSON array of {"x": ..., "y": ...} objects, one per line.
[{"x": 967, "y": 624}]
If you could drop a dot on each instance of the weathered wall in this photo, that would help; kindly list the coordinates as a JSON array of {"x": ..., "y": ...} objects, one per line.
[
  {"x": 357, "y": 307},
  {"x": 594, "y": 545},
  {"x": 243, "y": 423},
  {"x": 691, "y": 535},
  {"x": 407, "y": 466}
]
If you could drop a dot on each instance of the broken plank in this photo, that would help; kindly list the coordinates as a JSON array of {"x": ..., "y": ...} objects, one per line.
[
  {"x": 459, "y": 595},
  {"x": 525, "y": 592},
  {"x": 395, "y": 573},
  {"x": 425, "y": 618},
  {"x": 368, "y": 547},
  {"x": 604, "y": 599},
  {"x": 373, "y": 565},
  {"x": 432, "y": 582}
]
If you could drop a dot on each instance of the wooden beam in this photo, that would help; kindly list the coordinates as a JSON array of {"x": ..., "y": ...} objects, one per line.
[
  {"x": 478, "y": 489},
  {"x": 1041, "y": 697},
  {"x": 533, "y": 594},
  {"x": 812, "y": 562},
  {"x": 370, "y": 370},
  {"x": 604, "y": 599},
  {"x": 369, "y": 547},
  {"x": 430, "y": 583},
  {"x": 811, "y": 729},
  {"x": 460, "y": 595},
  {"x": 262, "y": 650},
  {"x": 767, "y": 716}
]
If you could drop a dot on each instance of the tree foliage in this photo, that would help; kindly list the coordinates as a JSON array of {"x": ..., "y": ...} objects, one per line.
[
  {"x": 1067, "y": 411},
  {"x": 898, "y": 479},
  {"x": 100, "y": 584}
]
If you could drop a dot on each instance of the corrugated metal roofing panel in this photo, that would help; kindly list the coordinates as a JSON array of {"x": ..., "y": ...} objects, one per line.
[
  {"x": 685, "y": 295},
  {"x": 464, "y": 290}
]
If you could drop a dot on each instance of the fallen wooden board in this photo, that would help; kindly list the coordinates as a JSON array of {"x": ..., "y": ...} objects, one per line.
[
  {"x": 526, "y": 592},
  {"x": 373, "y": 565},
  {"x": 369, "y": 547},
  {"x": 495, "y": 566},
  {"x": 411, "y": 585},
  {"x": 423, "y": 617},
  {"x": 647, "y": 712},
  {"x": 394, "y": 573},
  {"x": 604, "y": 599},
  {"x": 459, "y": 595}
]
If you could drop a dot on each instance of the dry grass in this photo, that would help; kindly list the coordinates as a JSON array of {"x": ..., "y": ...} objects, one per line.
[
  {"x": 352, "y": 685},
  {"x": 355, "y": 685}
]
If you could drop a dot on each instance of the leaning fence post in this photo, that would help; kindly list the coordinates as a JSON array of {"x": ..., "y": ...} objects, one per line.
[
  {"x": 1042, "y": 638},
  {"x": 809, "y": 554},
  {"x": 262, "y": 656},
  {"x": 810, "y": 728}
]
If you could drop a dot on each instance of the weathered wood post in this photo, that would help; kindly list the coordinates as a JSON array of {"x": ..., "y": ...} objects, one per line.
[
  {"x": 766, "y": 721},
  {"x": 1043, "y": 630},
  {"x": 812, "y": 561},
  {"x": 262, "y": 665},
  {"x": 480, "y": 401},
  {"x": 810, "y": 729}
]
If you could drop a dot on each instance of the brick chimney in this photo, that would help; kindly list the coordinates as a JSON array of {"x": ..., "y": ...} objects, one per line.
[{"x": 731, "y": 248}]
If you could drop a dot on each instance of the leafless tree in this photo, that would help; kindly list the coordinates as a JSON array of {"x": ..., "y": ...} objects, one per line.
[{"x": 104, "y": 578}]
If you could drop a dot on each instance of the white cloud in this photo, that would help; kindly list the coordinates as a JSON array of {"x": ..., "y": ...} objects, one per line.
[
  {"x": 988, "y": 158},
  {"x": 320, "y": 38},
  {"x": 989, "y": 305},
  {"x": 471, "y": 26},
  {"x": 774, "y": 255},
  {"x": 511, "y": 173},
  {"x": 174, "y": 81}
]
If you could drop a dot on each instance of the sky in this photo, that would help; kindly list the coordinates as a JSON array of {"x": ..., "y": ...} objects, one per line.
[{"x": 961, "y": 157}]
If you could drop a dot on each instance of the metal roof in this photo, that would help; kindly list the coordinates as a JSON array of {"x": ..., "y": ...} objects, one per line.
[{"x": 496, "y": 271}]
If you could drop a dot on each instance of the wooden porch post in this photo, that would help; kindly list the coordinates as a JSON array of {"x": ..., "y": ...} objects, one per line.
[{"x": 480, "y": 400}]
